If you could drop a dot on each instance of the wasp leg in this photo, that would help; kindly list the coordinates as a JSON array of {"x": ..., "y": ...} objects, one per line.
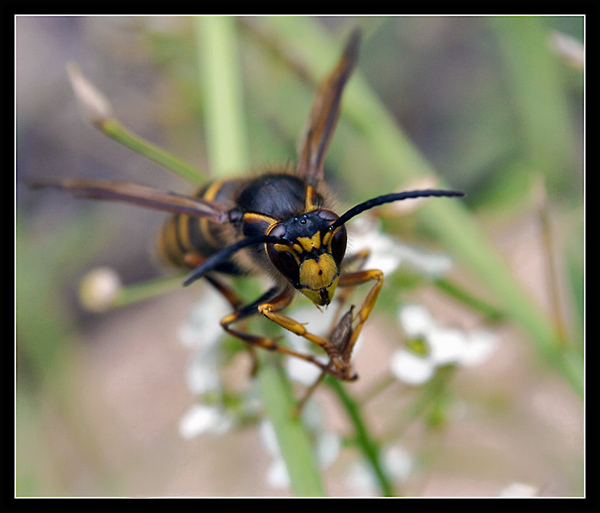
[
  {"x": 236, "y": 302},
  {"x": 226, "y": 291},
  {"x": 193, "y": 260},
  {"x": 340, "y": 369},
  {"x": 274, "y": 299},
  {"x": 353, "y": 279},
  {"x": 356, "y": 260},
  {"x": 340, "y": 331},
  {"x": 340, "y": 335}
]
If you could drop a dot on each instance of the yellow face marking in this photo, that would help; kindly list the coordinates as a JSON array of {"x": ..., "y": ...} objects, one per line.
[
  {"x": 321, "y": 297},
  {"x": 287, "y": 249},
  {"x": 283, "y": 247},
  {"x": 318, "y": 279},
  {"x": 328, "y": 236},
  {"x": 310, "y": 243}
]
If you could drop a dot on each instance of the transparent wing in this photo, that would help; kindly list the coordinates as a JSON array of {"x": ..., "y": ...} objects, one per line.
[
  {"x": 325, "y": 113},
  {"x": 141, "y": 195}
]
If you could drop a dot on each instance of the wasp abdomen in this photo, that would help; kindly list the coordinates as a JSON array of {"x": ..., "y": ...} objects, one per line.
[{"x": 183, "y": 235}]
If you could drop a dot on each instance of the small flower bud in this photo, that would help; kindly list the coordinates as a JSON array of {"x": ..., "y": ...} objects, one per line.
[
  {"x": 95, "y": 107},
  {"x": 568, "y": 48},
  {"x": 99, "y": 289}
]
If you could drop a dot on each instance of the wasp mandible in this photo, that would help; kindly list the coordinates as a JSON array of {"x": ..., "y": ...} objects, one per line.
[{"x": 280, "y": 223}]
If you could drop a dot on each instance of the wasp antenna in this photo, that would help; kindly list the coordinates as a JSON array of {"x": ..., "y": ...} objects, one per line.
[
  {"x": 214, "y": 260},
  {"x": 389, "y": 198}
]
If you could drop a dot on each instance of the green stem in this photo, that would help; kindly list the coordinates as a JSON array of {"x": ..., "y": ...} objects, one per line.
[
  {"x": 490, "y": 312},
  {"x": 216, "y": 38},
  {"x": 221, "y": 83},
  {"x": 113, "y": 128},
  {"x": 425, "y": 397},
  {"x": 370, "y": 449},
  {"x": 141, "y": 291},
  {"x": 293, "y": 439}
]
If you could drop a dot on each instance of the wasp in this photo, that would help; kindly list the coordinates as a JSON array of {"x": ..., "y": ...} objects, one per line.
[{"x": 279, "y": 223}]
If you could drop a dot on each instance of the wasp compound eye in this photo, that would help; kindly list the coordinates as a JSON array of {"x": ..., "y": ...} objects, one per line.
[{"x": 285, "y": 261}]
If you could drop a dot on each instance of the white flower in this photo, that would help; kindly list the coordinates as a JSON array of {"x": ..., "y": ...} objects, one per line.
[
  {"x": 518, "y": 490},
  {"x": 202, "y": 331},
  {"x": 277, "y": 474},
  {"x": 444, "y": 346},
  {"x": 201, "y": 418},
  {"x": 202, "y": 328},
  {"x": 203, "y": 371},
  {"x": 415, "y": 320},
  {"x": 387, "y": 254},
  {"x": 428, "y": 263},
  {"x": 397, "y": 463},
  {"x": 383, "y": 253},
  {"x": 411, "y": 368},
  {"x": 327, "y": 444},
  {"x": 480, "y": 346}
]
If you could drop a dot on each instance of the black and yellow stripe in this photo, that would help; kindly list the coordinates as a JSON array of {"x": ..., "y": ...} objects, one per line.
[{"x": 184, "y": 236}]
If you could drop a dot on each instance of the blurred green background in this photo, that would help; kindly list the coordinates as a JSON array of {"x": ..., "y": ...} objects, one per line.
[{"x": 486, "y": 102}]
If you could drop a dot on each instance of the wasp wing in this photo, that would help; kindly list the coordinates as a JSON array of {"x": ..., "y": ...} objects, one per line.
[
  {"x": 325, "y": 113},
  {"x": 141, "y": 195}
]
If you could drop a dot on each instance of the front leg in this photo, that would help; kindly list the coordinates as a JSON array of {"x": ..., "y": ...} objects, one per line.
[
  {"x": 352, "y": 279},
  {"x": 268, "y": 305},
  {"x": 338, "y": 366}
]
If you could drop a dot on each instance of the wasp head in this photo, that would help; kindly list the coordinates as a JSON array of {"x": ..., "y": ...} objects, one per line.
[
  {"x": 308, "y": 249},
  {"x": 310, "y": 254}
]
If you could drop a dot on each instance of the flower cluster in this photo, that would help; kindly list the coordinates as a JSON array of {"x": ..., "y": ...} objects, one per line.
[
  {"x": 327, "y": 444},
  {"x": 203, "y": 336},
  {"x": 397, "y": 462},
  {"x": 387, "y": 253},
  {"x": 433, "y": 345},
  {"x": 430, "y": 345}
]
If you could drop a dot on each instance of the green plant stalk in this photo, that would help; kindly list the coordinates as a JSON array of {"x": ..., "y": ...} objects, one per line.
[
  {"x": 132, "y": 294},
  {"x": 114, "y": 129},
  {"x": 540, "y": 105},
  {"x": 489, "y": 312},
  {"x": 370, "y": 449},
  {"x": 216, "y": 46},
  {"x": 293, "y": 440},
  {"x": 425, "y": 397},
  {"x": 219, "y": 74},
  {"x": 397, "y": 159}
]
